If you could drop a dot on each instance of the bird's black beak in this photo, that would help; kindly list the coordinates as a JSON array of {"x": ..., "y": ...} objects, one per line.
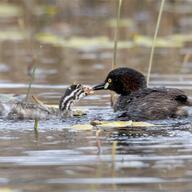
[{"x": 101, "y": 86}]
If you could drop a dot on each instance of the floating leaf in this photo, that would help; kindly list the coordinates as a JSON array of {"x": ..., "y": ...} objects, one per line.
[
  {"x": 12, "y": 34},
  {"x": 50, "y": 10},
  {"x": 48, "y": 38},
  {"x": 122, "y": 23},
  {"x": 111, "y": 124},
  {"x": 45, "y": 9},
  {"x": 174, "y": 41},
  {"x": 79, "y": 113},
  {"x": 9, "y": 10},
  {"x": 52, "y": 106},
  {"x": 142, "y": 124},
  {"x": 83, "y": 127},
  {"x": 181, "y": 38},
  {"x": 5, "y": 189},
  {"x": 120, "y": 124},
  {"x": 160, "y": 42},
  {"x": 81, "y": 42},
  {"x": 94, "y": 42}
]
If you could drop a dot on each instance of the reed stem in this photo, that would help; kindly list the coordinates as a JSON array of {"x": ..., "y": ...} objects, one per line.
[
  {"x": 26, "y": 24},
  {"x": 30, "y": 82},
  {"x": 36, "y": 125},
  {"x": 114, "y": 62},
  {"x": 36, "y": 128},
  {"x": 154, "y": 40}
]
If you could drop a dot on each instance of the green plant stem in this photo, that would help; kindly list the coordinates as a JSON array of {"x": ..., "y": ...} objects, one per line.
[
  {"x": 36, "y": 125},
  {"x": 154, "y": 40},
  {"x": 114, "y": 63},
  {"x": 31, "y": 81},
  {"x": 36, "y": 128}
]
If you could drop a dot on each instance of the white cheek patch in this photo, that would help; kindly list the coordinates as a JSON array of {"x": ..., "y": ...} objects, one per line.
[{"x": 106, "y": 85}]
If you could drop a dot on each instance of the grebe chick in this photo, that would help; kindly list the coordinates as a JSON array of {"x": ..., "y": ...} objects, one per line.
[{"x": 25, "y": 110}]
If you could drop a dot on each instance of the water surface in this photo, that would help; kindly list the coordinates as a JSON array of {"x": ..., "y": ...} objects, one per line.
[{"x": 60, "y": 158}]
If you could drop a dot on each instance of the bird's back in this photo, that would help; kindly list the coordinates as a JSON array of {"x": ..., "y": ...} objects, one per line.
[{"x": 152, "y": 103}]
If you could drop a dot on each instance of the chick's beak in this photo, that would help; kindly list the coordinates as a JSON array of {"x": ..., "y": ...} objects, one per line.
[{"x": 101, "y": 86}]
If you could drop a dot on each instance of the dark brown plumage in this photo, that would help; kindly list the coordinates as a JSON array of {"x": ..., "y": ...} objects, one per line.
[{"x": 137, "y": 102}]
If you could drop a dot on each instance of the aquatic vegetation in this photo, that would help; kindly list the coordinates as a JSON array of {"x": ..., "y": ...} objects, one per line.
[
  {"x": 120, "y": 124},
  {"x": 160, "y": 42},
  {"x": 174, "y": 41},
  {"x": 82, "y": 127},
  {"x": 13, "y": 35},
  {"x": 10, "y": 10},
  {"x": 111, "y": 124},
  {"x": 154, "y": 40},
  {"x": 123, "y": 22}
]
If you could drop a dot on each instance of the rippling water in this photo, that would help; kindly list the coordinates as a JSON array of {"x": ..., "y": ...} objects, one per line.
[
  {"x": 64, "y": 159},
  {"x": 60, "y": 158}
]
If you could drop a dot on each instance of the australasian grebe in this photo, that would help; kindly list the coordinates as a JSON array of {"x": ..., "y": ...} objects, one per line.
[
  {"x": 15, "y": 109},
  {"x": 138, "y": 102}
]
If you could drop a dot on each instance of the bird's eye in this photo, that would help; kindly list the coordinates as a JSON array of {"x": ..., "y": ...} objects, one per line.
[{"x": 109, "y": 80}]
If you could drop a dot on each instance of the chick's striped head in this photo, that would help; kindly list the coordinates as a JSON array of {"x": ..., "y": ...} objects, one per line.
[{"x": 72, "y": 95}]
